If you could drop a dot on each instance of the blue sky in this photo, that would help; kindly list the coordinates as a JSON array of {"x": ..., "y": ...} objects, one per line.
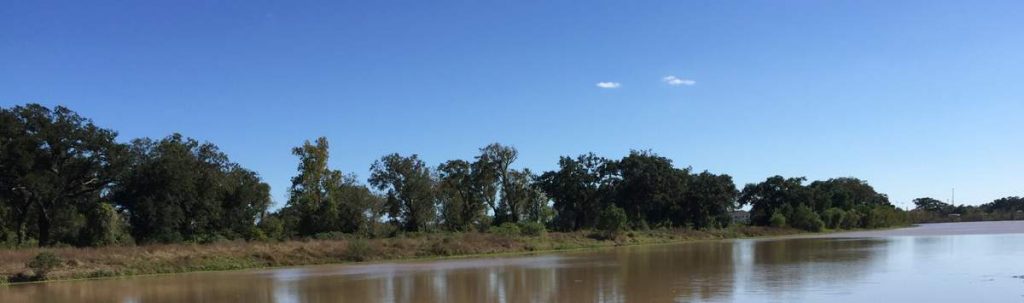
[{"x": 917, "y": 97}]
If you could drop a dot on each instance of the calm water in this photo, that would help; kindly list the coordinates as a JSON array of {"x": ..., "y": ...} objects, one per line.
[{"x": 965, "y": 262}]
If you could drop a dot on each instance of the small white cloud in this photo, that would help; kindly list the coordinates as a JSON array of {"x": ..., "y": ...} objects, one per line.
[
  {"x": 609, "y": 84},
  {"x": 676, "y": 81}
]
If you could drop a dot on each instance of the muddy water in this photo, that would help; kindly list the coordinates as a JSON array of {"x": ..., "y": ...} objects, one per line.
[{"x": 965, "y": 262}]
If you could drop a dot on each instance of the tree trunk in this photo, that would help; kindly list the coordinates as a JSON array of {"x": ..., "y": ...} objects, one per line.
[
  {"x": 514, "y": 210},
  {"x": 44, "y": 228},
  {"x": 22, "y": 215},
  {"x": 21, "y": 229}
]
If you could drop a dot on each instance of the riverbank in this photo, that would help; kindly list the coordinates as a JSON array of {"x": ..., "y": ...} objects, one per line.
[{"x": 84, "y": 263}]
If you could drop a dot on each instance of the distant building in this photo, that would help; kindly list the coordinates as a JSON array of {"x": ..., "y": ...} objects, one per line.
[{"x": 740, "y": 216}]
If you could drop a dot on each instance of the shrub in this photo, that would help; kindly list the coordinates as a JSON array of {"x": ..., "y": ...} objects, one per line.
[
  {"x": 8, "y": 239},
  {"x": 101, "y": 273},
  {"x": 331, "y": 235},
  {"x": 885, "y": 216},
  {"x": 270, "y": 228},
  {"x": 533, "y": 229},
  {"x": 611, "y": 221},
  {"x": 381, "y": 230},
  {"x": 777, "y": 220},
  {"x": 507, "y": 229},
  {"x": 833, "y": 217},
  {"x": 359, "y": 250},
  {"x": 43, "y": 263},
  {"x": 447, "y": 246},
  {"x": 805, "y": 218},
  {"x": 212, "y": 239},
  {"x": 104, "y": 226},
  {"x": 852, "y": 220}
]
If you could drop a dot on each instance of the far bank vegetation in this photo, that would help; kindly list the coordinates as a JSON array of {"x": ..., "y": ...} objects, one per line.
[{"x": 65, "y": 182}]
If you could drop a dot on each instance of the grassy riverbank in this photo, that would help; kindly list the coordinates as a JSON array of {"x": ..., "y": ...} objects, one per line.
[{"x": 80, "y": 263}]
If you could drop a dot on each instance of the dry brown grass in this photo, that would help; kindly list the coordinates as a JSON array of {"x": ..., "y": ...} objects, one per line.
[{"x": 174, "y": 258}]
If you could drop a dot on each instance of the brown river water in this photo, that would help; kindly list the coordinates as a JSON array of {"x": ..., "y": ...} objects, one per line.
[{"x": 959, "y": 262}]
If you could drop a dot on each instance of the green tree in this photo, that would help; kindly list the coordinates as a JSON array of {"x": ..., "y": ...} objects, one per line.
[
  {"x": 884, "y": 216},
  {"x": 493, "y": 165},
  {"x": 179, "y": 189},
  {"x": 105, "y": 226},
  {"x": 527, "y": 202},
  {"x": 805, "y": 218},
  {"x": 933, "y": 205},
  {"x": 357, "y": 205},
  {"x": 833, "y": 217},
  {"x": 777, "y": 219},
  {"x": 17, "y": 157},
  {"x": 409, "y": 190},
  {"x": 844, "y": 193},
  {"x": 271, "y": 227},
  {"x": 55, "y": 163},
  {"x": 578, "y": 189},
  {"x": 709, "y": 200},
  {"x": 10, "y": 168},
  {"x": 649, "y": 189},
  {"x": 853, "y": 219},
  {"x": 461, "y": 198},
  {"x": 7, "y": 235},
  {"x": 1006, "y": 205},
  {"x": 308, "y": 194},
  {"x": 612, "y": 221},
  {"x": 325, "y": 200},
  {"x": 244, "y": 200},
  {"x": 523, "y": 202},
  {"x": 775, "y": 194}
]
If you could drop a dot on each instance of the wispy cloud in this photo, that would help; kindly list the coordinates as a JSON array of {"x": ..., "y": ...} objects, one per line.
[
  {"x": 676, "y": 81},
  {"x": 608, "y": 85}
]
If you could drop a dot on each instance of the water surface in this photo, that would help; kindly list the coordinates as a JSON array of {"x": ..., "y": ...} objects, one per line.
[{"x": 962, "y": 262}]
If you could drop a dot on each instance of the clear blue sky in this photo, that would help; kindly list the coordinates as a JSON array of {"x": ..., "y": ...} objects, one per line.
[{"x": 917, "y": 97}]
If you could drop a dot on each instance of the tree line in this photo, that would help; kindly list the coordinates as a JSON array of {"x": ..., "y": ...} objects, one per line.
[
  {"x": 928, "y": 210},
  {"x": 64, "y": 180}
]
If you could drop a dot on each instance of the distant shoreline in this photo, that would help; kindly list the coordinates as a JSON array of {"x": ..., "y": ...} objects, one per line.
[
  {"x": 944, "y": 229},
  {"x": 124, "y": 261},
  {"x": 128, "y": 261}
]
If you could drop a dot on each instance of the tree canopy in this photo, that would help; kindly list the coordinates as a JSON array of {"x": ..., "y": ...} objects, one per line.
[
  {"x": 65, "y": 180},
  {"x": 932, "y": 210},
  {"x": 324, "y": 200},
  {"x": 409, "y": 190},
  {"x": 54, "y": 164},
  {"x": 578, "y": 190},
  {"x": 833, "y": 203},
  {"x": 178, "y": 189}
]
